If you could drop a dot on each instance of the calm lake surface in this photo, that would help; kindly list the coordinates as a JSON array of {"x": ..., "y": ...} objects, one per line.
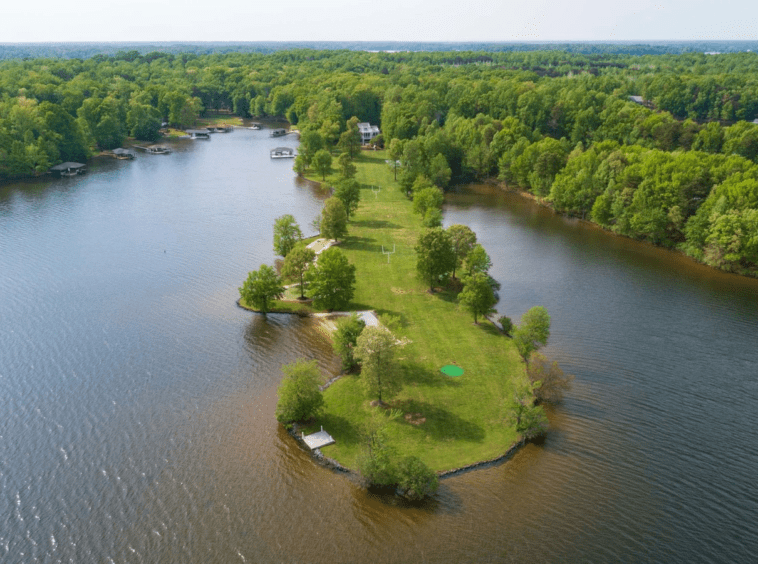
[{"x": 137, "y": 401}]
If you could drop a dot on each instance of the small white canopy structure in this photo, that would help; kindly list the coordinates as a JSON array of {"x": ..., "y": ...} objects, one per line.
[{"x": 318, "y": 439}]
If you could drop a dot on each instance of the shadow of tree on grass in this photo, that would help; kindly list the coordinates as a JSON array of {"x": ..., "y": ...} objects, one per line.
[
  {"x": 438, "y": 422},
  {"x": 340, "y": 428},
  {"x": 420, "y": 374},
  {"x": 375, "y": 224}
]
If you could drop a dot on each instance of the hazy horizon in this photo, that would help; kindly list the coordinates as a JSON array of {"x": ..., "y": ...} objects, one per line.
[{"x": 448, "y": 21}]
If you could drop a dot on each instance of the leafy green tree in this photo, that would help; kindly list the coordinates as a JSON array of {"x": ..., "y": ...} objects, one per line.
[
  {"x": 345, "y": 339},
  {"x": 350, "y": 140},
  {"x": 322, "y": 163},
  {"x": 346, "y": 167},
  {"x": 311, "y": 142},
  {"x": 477, "y": 295},
  {"x": 478, "y": 261},
  {"x": 426, "y": 199},
  {"x": 143, "y": 121},
  {"x": 348, "y": 191},
  {"x": 415, "y": 478},
  {"x": 375, "y": 459},
  {"x": 439, "y": 171},
  {"x": 434, "y": 256},
  {"x": 300, "y": 166},
  {"x": 333, "y": 222},
  {"x": 432, "y": 218},
  {"x": 296, "y": 263},
  {"x": 395, "y": 152},
  {"x": 286, "y": 234},
  {"x": 533, "y": 332},
  {"x": 463, "y": 240},
  {"x": 529, "y": 419},
  {"x": 299, "y": 395},
  {"x": 506, "y": 324},
  {"x": 375, "y": 350},
  {"x": 331, "y": 282},
  {"x": 261, "y": 288}
]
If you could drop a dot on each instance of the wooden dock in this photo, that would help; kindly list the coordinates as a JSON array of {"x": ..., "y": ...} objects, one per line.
[{"x": 318, "y": 439}]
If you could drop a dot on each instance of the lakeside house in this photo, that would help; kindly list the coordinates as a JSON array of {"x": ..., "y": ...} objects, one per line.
[
  {"x": 368, "y": 132},
  {"x": 641, "y": 101},
  {"x": 279, "y": 132},
  {"x": 68, "y": 169},
  {"x": 283, "y": 153},
  {"x": 199, "y": 133}
]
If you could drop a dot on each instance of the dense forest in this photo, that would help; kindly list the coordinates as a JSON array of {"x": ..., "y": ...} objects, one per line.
[{"x": 675, "y": 165}]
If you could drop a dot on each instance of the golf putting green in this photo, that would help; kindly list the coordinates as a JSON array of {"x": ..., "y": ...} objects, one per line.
[{"x": 452, "y": 370}]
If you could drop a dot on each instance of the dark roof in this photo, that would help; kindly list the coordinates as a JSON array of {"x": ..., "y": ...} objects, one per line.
[
  {"x": 68, "y": 165},
  {"x": 284, "y": 149},
  {"x": 190, "y": 131},
  {"x": 122, "y": 151}
]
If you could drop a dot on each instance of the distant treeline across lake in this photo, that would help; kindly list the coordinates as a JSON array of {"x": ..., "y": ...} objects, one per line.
[{"x": 660, "y": 147}]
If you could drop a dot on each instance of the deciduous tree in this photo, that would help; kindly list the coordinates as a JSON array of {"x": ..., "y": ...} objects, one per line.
[
  {"x": 463, "y": 240},
  {"x": 261, "y": 288},
  {"x": 345, "y": 339},
  {"x": 533, "y": 332},
  {"x": 348, "y": 191},
  {"x": 299, "y": 395},
  {"x": 477, "y": 295},
  {"x": 375, "y": 350},
  {"x": 333, "y": 221},
  {"x": 286, "y": 234},
  {"x": 549, "y": 380},
  {"x": 529, "y": 419},
  {"x": 322, "y": 163},
  {"x": 434, "y": 256},
  {"x": 296, "y": 263},
  {"x": 331, "y": 282}
]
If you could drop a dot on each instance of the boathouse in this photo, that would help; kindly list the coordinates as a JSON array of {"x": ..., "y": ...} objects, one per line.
[
  {"x": 121, "y": 153},
  {"x": 283, "y": 153},
  {"x": 199, "y": 133},
  {"x": 278, "y": 132},
  {"x": 68, "y": 169},
  {"x": 157, "y": 150}
]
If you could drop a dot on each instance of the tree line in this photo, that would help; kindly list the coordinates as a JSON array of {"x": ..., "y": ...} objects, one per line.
[{"x": 559, "y": 124}]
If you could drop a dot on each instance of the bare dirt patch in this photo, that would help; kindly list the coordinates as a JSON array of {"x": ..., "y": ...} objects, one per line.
[{"x": 415, "y": 418}]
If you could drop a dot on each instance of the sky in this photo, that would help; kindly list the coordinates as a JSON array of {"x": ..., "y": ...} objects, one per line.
[{"x": 377, "y": 20}]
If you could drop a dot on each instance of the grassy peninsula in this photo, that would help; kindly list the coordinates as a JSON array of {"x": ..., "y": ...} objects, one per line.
[{"x": 446, "y": 422}]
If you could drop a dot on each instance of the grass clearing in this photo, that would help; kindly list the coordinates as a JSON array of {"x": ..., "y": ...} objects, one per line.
[{"x": 446, "y": 422}]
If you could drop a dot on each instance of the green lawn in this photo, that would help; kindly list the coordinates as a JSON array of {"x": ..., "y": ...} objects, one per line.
[{"x": 446, "y": 422}]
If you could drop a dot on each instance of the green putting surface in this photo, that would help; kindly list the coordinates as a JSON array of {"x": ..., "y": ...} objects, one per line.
[{"x": 452, "y": 370}]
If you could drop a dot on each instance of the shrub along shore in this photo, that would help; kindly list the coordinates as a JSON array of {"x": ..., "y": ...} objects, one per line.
[{"x": 446, "y": 422}]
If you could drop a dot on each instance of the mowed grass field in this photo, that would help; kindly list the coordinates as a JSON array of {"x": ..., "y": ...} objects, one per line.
[{"x": 446, "y": 422}]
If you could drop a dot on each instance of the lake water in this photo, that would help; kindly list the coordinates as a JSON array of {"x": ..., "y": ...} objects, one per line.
[{"x": 137, "y": 401}]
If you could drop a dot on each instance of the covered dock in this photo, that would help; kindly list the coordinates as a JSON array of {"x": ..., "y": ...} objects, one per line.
[
  {"x": 283, "y": 153},
  {"x": 122, "y": 153},
  {"x": 68, "y": 169},
  {"x": 199, "y": 133}
]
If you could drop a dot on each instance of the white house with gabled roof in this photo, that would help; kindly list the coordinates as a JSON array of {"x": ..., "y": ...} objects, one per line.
[{"x": 368, "y": 132}]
